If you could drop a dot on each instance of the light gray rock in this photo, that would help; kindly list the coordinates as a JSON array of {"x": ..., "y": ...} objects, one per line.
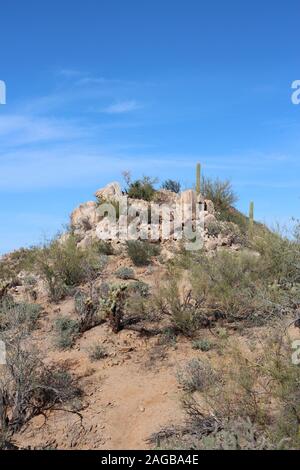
[
  {"x": 111, "y": 192},
  {"x": 85, "y": 217}
]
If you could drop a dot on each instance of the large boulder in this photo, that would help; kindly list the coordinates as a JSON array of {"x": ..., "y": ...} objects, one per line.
[
  {"x": 138, "y": 207},
  {"x": 111, "y": 192},
  {"x": 209, "y": 206},
  {"x": 164, "y": 196},
  {"x": 188, "y": 197},
  {"x": 85, "y": 215}
]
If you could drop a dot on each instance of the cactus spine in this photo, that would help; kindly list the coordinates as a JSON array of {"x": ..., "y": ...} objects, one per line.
[{"x": 198, "y": 178}]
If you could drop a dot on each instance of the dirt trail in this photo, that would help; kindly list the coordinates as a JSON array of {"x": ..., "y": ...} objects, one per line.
[{"x": 126, "y": 396}]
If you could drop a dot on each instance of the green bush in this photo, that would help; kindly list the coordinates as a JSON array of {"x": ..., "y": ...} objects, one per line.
[
  {"x": 227, "y": 229},
  {"x": 196, "y": 375},
  {"x": 139, "y": 287},
  {"x": 125, "y": 273},
  {"x": 172, "y": 185},
  {"x": 203, "y": 345},
  {"x": 141, "y": 252},
  {"x": 213, "y": 228},
  {"x": 67, "y": 331},
  {"x": 142, "y": 189},
  {"x": 104, "y": 248},
  {"x": 186, "y": 318},
  {"x": 19, "y": 260},
  {"x": 280, "y": 257},
  {"x": 219, "y": 192},
  {"x": 97, "y": 352},
  {"x": 232, "y": 286},
  {"x": 19, "y": 315},
  {"x": 63, "y": 266},
  {"x": 29, "y": 388}
]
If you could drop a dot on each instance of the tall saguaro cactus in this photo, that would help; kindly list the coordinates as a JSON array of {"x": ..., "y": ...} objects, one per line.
[
  {"x": 251, "y": 218},
  {"x": 198, "y": 178}
]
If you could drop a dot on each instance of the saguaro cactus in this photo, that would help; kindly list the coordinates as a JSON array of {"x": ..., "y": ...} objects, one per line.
[
  {"x": 251, "y": 218},
  {"x": 198, "y": 178}
]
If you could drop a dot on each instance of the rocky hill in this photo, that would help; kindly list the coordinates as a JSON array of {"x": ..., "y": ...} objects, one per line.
[{"x": 134, "y": 344}]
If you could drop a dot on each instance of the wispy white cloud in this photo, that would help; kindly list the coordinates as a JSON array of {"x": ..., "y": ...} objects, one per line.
[
  {"x": 67, "y": 166},
  {"x": 22, "y": 129},
  {"x": 122, "y": 107}
]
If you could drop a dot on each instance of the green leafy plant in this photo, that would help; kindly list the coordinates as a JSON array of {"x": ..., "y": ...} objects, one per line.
[
  {"x": 19, "y": 315},
  {"x": 203, "y": 345},
  {"x": 196, "y": 375},
  {"x": 141, "y": 252},
  {"x": 172, "y": 185},
  {"x": 125, "y": 273},
  {"x": 142, "y": 189},
  {"x": 97, "y": 352},
  {"x": 104, "y": 248},
  {"x": 219, "y": 192},
  {"x": 139, "y": 287},
  {"x": 64, "y": 265},
  {"x": 67, "y": 331}
]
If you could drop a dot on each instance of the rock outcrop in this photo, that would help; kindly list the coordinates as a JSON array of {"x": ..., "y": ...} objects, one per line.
[{"x": 89, "y": 223}]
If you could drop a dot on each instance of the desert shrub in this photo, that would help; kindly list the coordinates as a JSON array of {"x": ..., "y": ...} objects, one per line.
[
  {"x": 233, "y": 288},
  {"x": 103, "y": 290},
  {"x": 67, "y": 331},
  {"x": 213, "y": 228},
  {"x": 125, "y": 273},
  {"x": 283, "y": 378},
  {"x": 97, "y": 352},
  {"x": 63, "y": 266},
  {"x": 230, "y": 214},
  {"x": 104, "y": 248},
  {"x": 30, "y": 282},
  {"x": 88, "y": 309},
  {"x": 141, "y": 252},
  {"x": 246, "y": 403},
  {"x": 28, "y": 387},
  {"x": 228, "y": 230},
  {"x": 183, "y": 310},
  {"x": 171, "y": 185},
  {"x": 142, "y": 189},
  {"x": 19, "y": 260},
  {"x": 140, "y": 288},
  {"x": 280, "y": 256},
  {"x": 196, "y": 375},
  {"x": 233, "y": 233},
  {"x": 202, "y": 344},
  {"x": 138, "y": 303},
  {"x": 219, "y": 192},
  {"x": 222, "y": 333},
  {"x": 236, "y": 434},
  {"x": 80, "y": 301},
  {"x": 18, "y": 315},
  {"x": 57, "y": 289}
]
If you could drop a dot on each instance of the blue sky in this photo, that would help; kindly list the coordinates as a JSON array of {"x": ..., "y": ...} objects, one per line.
[{"x": 100, "y": 86}]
